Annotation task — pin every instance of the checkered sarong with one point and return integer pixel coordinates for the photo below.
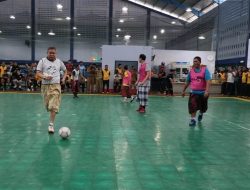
(142, 95)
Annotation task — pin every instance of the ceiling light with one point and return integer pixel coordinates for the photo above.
(154, 37)
(124, 10)
(67, 18)
(78, 34)
(201, 37)
(189, 10)
(28, 27)
(173, 22)
(150, 6)
(59, 7)
(39, 33)
(127, 37)
(121, 21)
(57, 19)
(193, 18)
(12, 17)
(51, 33)
(117, 35)
(0, 31)
(119, 30)
(74, 28)
(162, 31)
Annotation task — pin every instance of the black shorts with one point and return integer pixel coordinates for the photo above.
(197, 102)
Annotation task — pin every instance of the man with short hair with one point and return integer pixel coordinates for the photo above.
(143, 83)
(49, 69)
(105, 77)
(199, 80)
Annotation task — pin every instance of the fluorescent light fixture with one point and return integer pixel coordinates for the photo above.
(74, 28)
(78, 34)
(139, 2)
(189, 10)
(219, 1)
(117, 35)
(58, 19)
(201, 37)
(211, 7)
(59, 7)
(28, 27)
(39, 33)
(127, 37)
(67, 18)
(124, 10)
(173, 22)
(162, 31)
(154, 37)
(119, 30)
(193, 18)
(121, 21)
(12, 17)
(51, 33)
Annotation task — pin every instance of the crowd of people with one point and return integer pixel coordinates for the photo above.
(93, 79)
(162, 80)
(234, 81)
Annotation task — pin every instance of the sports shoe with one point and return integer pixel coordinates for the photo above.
(51, 128)
(142, 110)
(192, 123)
(132, 99)
(125, 99)
(139, 109)
(200, 117)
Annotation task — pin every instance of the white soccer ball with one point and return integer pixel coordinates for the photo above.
(64, 132)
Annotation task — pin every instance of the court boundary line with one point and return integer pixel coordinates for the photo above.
(179, 96)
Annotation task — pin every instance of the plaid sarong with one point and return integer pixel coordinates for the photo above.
(142, 95)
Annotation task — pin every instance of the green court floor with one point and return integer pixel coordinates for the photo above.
(114, 147)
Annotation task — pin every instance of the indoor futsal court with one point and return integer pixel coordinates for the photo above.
(124, 95)
(122, 149)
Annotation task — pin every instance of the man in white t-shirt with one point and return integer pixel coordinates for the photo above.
(49, 70)
(230, 81)
(76, 76)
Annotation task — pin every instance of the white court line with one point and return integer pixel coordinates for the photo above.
(237, 125)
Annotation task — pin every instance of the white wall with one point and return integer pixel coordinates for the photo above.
(123, 53)
(170, 56)
(14, 49)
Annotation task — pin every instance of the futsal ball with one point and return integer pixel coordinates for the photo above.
(64, 132)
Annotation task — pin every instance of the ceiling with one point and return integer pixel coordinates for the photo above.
(91, 18)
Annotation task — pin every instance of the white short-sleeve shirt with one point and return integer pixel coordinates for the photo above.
(77, 73)
(51, 68)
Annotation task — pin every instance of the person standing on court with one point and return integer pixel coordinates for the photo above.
(199, 80)
(143, 83)
(105, 79)
(75, 78)
(126, 82)
(49, 69)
